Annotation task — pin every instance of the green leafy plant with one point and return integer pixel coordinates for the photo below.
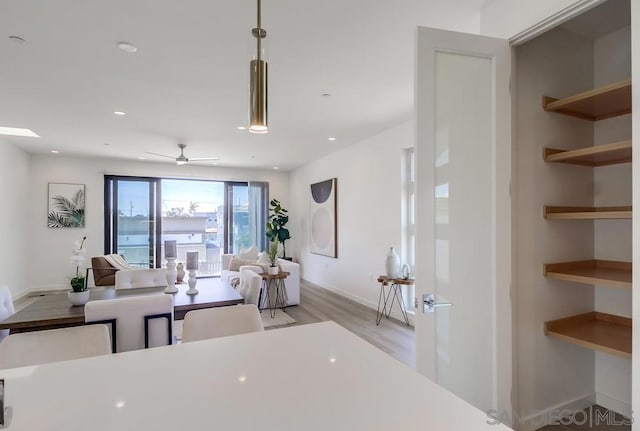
(272, 253)
(276, 225)
(69, 213)
(77, 258)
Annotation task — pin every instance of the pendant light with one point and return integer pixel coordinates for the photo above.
(258, 83)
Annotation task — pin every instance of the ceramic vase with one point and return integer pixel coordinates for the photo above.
(392, 264)
(181, 273)
(78, 298)
(273, 270)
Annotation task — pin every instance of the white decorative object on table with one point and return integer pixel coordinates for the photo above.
(392, 264)
(181, 273)
(78, 298)
(79, 293)
(171, 256)
(406, 271)
(192, 266)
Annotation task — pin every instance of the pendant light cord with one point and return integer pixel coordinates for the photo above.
(259, 35)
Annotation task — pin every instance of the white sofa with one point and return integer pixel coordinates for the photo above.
(292, 282)
(143, 277)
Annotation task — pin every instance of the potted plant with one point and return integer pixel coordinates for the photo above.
(272, 253)
(276, 225)
(79, 294)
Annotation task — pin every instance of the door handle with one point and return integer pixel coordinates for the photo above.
(429, 303)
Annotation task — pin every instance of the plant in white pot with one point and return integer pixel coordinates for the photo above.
(272, 253)
(79, 293)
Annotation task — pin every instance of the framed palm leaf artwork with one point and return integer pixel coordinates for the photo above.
(66, 205)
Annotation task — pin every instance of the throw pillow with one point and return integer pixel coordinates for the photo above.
(236, 263)
(263, 260)
(250, 254)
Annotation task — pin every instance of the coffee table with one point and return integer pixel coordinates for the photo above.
(55, 311)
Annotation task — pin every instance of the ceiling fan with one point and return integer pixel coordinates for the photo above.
(182, 159)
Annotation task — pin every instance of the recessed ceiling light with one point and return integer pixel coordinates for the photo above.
(119, 113)
(17, 131)
(332, 138)
(142, 158)
(106, 144)
(17, 39)
(276, 167)
(326, 94)
(55, 151)
(127, 47)
(241, 128)
(253, 157)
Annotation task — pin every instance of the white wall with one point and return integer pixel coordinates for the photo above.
(612, 61)
(463, 16)
(506, 18)
(51, 247)
(14, 213)
(369, 219)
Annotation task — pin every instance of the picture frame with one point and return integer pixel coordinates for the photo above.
(323, 218)
(66, 205)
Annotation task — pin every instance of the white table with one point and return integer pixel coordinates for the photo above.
(312, 377)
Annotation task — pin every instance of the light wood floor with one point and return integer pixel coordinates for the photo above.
(319, 305)
(594, 418)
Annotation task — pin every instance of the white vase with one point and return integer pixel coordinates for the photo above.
(273, 270)
(392, 264)
(181, 273)
(78, 298)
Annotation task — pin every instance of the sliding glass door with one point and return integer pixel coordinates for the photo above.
(131, 222)
(192, 214)
(210, 217)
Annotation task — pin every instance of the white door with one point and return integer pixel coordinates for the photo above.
(463, 211)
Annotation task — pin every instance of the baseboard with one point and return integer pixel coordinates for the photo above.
(396, 313)
(616, 405)
(548, 416)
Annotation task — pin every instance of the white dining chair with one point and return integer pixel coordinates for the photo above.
(221, 322)
(249, 286)
(136, 322)
(54, 345)
(6, 308)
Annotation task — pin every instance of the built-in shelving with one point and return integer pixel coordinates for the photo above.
(601, 272)
(596, 331)
(599, 155)
(586, 213)
(597, 104)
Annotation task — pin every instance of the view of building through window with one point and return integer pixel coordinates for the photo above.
(210, 217)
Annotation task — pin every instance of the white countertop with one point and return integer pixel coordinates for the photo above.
(311, 377)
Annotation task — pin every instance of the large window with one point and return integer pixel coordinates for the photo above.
(210, 217)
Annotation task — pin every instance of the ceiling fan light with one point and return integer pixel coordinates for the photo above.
(181, 162)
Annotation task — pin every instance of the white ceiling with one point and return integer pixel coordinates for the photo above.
(188, 82)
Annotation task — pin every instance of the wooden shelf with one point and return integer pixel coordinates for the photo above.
(596, 331)
(600, 155)
(586, 213)
(600, 272)
(597, 104)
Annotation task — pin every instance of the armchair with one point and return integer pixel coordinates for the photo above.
(103, 273)
(113, 270)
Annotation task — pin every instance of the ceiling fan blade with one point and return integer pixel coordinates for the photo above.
(161, 155)
(203, 159)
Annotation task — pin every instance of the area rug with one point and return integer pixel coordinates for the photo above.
(281, 319)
